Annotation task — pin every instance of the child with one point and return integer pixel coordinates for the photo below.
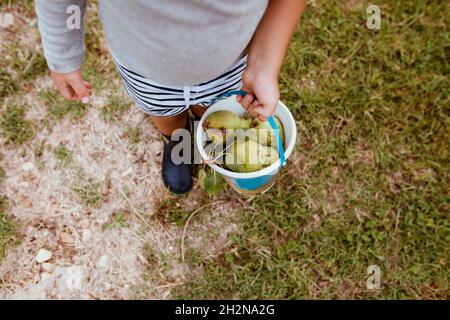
(176, 55)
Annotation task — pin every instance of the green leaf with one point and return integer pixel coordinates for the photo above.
(214, 183)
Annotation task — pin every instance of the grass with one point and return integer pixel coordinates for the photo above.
(371, 184)
(114, 109)
(62, 154)
(2, 175)
(89, 193)
(20, 67)
(8, 228)
(15, 128)
(132, 133)
(169, 212)
(58, 107)
(8, 85)
(116, 220)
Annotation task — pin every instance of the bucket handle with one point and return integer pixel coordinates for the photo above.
(271, 121)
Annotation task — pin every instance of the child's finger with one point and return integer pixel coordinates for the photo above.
(247, 100)
(78, 85)
(67, 92)
(263, 113)
(80, 89)
(252, 107)
(254, 104)
(260, 117)
(85, 100)
(88, 85)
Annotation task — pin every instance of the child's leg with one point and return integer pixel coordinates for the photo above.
(198, 110)
(166, 125)
(176, 176)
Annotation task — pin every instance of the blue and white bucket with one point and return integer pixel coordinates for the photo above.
(258, 181)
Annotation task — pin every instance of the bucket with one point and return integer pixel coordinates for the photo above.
(252, 182)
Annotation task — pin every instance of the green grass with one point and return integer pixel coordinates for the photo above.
(132, 133)
(8, 85)
(58, 107)
(114, 108)
(117, 220)
(168, 211)
(371, 184)
(62, 153)
(2, 175)
(89, 193)
(14, 127)
(19, 68)
(8, 228)
(21, 5)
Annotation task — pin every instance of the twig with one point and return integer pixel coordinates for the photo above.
(138, 236)
(169, 285)
(183, 235)
(135, 210)
(213, 160)
(6, 285)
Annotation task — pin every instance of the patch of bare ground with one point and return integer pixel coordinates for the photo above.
(88, 260)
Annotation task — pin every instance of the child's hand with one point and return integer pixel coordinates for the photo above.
(262, 94)
(72, 86)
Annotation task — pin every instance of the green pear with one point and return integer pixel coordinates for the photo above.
(250, 156)
(234, 159)
(222, 119)
(243, 157)
(246, 122)
(233, 166)
(215, 135)
(264, 132)
(269, 156)
(250, 152)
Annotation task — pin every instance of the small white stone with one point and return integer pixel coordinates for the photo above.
(28, 166)
(43, 255)
(86, 235)
(48, 267)
(6, 20)
(103, 261)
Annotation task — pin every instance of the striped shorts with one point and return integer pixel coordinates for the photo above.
(164, 101)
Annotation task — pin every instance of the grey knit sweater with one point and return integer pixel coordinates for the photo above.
(173, 42)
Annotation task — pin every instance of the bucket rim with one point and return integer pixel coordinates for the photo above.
(270, 170)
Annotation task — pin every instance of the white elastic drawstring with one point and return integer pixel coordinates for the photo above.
(187, 96)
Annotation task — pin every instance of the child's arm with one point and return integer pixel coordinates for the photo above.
(64, 45)
(265, 56)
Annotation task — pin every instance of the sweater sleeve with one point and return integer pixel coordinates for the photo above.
(62, 35)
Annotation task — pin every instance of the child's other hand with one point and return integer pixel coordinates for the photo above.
(72, 86)
(262, 94)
